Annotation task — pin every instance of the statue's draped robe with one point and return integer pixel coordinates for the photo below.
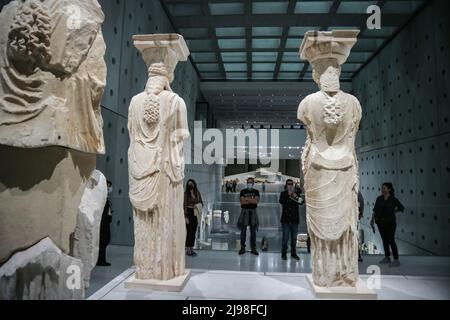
(156, 172)
(331, 188)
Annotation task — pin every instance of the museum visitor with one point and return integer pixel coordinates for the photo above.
(290, 199)
(249, 199)
(383, 215)
(193, 204)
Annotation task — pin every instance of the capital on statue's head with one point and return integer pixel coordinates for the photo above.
(335, 44)
(167, 49)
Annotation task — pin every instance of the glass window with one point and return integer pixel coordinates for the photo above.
(313, 6)
(355, 6)
(265, 43)
(297, 67)
(234, 56)
(267, 31)
(235, 66)
(231, 43)
(230, 32)
(264, 56)
(300, 31)
(263, 66)
(291, 57)
(271, 7)
(226, 8)
(293, 43)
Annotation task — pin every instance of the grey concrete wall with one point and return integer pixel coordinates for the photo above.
(127, 76)
(405, 130)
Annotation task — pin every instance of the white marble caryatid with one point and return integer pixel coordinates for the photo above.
(329, 161)
(52, 73)
(157, 123)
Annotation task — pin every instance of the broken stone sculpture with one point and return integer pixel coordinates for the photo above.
(87, 232)
(329, 161)
(52, 73)
(157, 123)
(41, 272)
(52, 77)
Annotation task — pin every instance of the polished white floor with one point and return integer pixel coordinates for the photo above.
(226, 275)
(237, 285)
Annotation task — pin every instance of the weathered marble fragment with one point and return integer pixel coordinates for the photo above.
(52, 74)
(87, 232)
(41, 272)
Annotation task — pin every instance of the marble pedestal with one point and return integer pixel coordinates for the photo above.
(360, 292)
(173, 285)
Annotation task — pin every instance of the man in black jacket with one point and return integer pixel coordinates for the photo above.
(290, 200)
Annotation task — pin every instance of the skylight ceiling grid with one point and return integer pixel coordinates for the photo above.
(260, 37)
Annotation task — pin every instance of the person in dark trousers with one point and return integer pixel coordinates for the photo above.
(308, 244)
(234, 185)
(383, 215)
(228, 186)
(105, 230)
(290, 200)
(192, 198)
(361, 213)
(249, 199)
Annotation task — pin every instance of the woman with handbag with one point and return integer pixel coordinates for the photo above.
(192, 211)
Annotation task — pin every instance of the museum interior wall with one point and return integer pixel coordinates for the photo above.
(405, 130)
(126, 77)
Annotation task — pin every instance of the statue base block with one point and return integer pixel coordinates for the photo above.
(360, 292)
(173, 285)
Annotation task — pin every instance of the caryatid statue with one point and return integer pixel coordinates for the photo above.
(329, 160)
(157, 123)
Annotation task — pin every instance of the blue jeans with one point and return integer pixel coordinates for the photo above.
(289, 232)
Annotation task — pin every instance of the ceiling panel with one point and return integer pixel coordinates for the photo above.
(313, 6)
(270, 7)
(258, 41)
(264, 56)
(226, 8)
(265, 43)
(230, 32)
